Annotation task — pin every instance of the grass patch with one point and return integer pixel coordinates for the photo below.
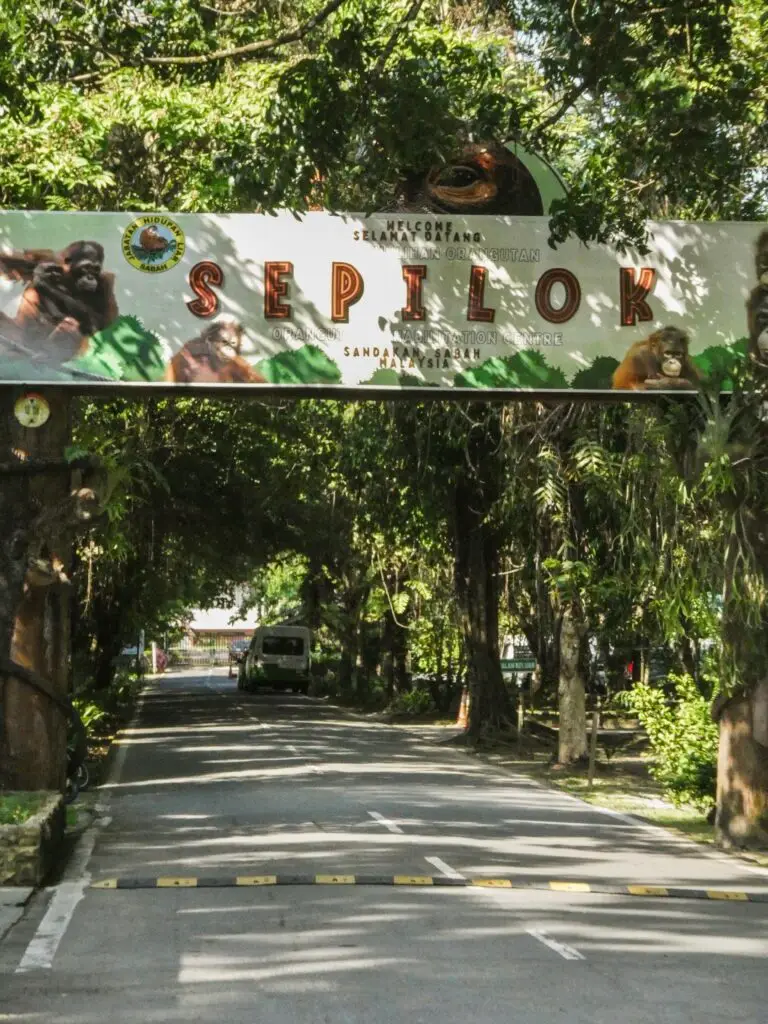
(635, 792)
(16, 808)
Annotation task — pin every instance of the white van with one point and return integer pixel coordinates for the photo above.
(279, 658)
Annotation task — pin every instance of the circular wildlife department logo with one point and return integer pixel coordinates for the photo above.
(153, 244)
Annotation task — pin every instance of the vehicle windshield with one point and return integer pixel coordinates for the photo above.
(283, 645)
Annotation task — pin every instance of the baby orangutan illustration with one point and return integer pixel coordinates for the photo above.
(213, 357)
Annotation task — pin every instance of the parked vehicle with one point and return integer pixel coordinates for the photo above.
(131, 658)
(278, 657)
(238, 650)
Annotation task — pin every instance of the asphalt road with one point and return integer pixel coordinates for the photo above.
(216, 784)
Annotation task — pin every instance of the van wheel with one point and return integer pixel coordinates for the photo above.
(304, 689)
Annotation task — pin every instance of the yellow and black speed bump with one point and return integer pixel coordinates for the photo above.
(422, 881)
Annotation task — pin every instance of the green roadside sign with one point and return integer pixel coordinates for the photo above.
(518, 664)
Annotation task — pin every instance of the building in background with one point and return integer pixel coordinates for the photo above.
(210, 634)
(215, 628)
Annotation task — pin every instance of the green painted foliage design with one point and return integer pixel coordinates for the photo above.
(125, 350)
(598, 376)
(306, 365)
(718, 363)
(384, 378)
(522, 370)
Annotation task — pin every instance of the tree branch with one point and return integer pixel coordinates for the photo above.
(410, 15)
(568, 100)
(241, 13)
(261, 46)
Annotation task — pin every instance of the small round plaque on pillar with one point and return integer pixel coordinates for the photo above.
(32, 411)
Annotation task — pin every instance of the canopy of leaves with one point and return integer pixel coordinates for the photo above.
(229, 105)
(186, 105)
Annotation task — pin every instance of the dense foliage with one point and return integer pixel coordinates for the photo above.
(411, 536)
(683, 738)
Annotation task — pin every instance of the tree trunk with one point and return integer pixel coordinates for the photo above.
(388, 658)
(34, 602)
(400, 660)
(572, 736)
(742, 770)
(18, 704)
(686, 655)
(104, 666)
(109, 635)
(542, 635)
(477, 587)
(353, 602)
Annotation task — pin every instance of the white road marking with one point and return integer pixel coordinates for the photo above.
(116, 771)
(67, 894)
(567, 824)
(239, 707)
(443, 868)
(385, 822)
(41, 950)
(657, 830)
(501, 898)
(565, 951)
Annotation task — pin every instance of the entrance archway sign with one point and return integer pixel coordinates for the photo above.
(370, 305)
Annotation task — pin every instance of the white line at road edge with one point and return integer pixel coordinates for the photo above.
(41, 950)
(656, 830)
(443, 868)
(565, 951)
(67, 894)
(660, 833)
(385, 822)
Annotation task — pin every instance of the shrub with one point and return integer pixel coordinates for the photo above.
(414, 702)
(104, 710)
(16, 808)
(683, 738)
(90, 714)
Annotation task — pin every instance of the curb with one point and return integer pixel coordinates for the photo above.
(424, 881)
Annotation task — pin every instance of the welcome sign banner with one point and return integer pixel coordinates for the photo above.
(386, 302)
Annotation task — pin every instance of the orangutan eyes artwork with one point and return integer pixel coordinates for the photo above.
(483, 178)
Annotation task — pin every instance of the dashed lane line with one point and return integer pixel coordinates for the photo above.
(566, 952)
(495, 890)
(443, 868)
(390, 825)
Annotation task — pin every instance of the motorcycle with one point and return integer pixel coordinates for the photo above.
(77, 751)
